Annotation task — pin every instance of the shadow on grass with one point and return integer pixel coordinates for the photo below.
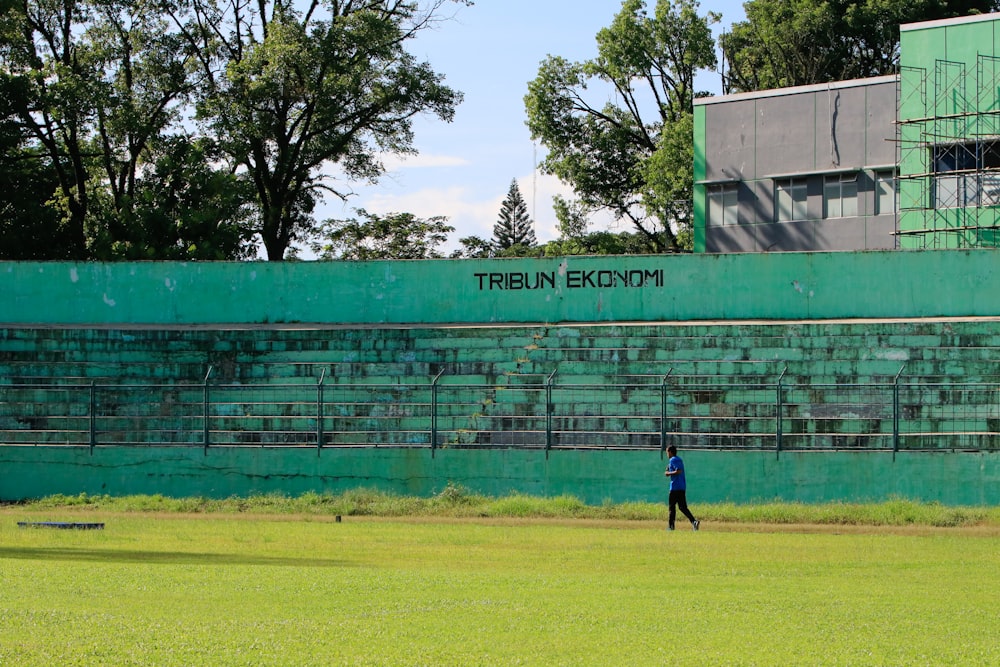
(163, 557)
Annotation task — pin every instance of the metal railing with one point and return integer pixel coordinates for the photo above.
(527, 411)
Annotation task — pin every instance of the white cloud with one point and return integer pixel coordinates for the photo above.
(394, 161)
(468, 214)
(471, 212)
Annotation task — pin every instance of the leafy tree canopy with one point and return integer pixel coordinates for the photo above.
(296, 88)
(473, 247)
(371, 236)
(146, 124)
(598, 243)
(631, 156)
(798, 42)
(99, 88)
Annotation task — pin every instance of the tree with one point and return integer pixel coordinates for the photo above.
(514, 226)
(188, 210)
(598, 243)
(29, 229)
(574, 239)
(372, 236)
(103, 87)
(473, 247)
(799, 42)
(294, 89)
(110, 88)
(634, 157)
(571, 218)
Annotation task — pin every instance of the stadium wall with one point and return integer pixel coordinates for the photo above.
(639, 288)
(593, 476)
(727, 290)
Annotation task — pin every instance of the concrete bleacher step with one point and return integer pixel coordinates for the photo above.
(494, 378)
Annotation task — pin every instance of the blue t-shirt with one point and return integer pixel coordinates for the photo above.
(677, 482)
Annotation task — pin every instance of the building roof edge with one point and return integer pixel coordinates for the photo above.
(795, 90)
(941, 23)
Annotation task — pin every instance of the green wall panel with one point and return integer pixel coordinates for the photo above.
(647, 288)
(922, 48)
(700, 171)
(965, 42)
(700, 166)
(592, 476)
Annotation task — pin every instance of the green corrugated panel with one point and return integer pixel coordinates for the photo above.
(700, 168)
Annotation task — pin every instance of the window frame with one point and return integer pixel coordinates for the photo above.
(723, 197)
(840, 196)
(789, 188)
(961, 173)
(880, 178)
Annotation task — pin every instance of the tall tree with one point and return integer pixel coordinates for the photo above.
(41, 53)
(105, 84)
(632, 156)
(514, 225)
(294, 89)
(372, 236)
(799, 42)
(29, 228)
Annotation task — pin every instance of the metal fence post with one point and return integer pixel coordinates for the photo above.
(93, 417)
(778, 410)
(206, 411)
(895, 412)
(434, 411)
(663, 412)
(319, 412)
(548, 412)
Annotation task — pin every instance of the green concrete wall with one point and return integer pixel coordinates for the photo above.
(217, 298)
(592, 476)
(652, 288)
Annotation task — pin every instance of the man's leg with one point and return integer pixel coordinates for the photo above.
(673, 510)
(682, 503)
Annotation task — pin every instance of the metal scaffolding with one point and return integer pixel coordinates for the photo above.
(948, 152)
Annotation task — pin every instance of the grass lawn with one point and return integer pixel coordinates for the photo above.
(181, 589)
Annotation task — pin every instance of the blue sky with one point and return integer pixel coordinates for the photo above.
(490, 51)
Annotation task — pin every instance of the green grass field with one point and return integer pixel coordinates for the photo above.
(219, 588)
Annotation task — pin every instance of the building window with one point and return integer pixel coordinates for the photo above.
(840, 196)
(990, 189)
(955, 181)
(966, 174)
(723, 205)
(885, 193)
(791, 196)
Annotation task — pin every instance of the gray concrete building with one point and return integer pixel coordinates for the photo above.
(797, 169)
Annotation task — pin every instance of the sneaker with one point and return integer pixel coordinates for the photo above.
(695, 524)
(670, 527)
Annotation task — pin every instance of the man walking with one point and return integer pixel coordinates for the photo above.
(678, 489)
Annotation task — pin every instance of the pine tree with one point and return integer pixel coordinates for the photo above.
(513, 227)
